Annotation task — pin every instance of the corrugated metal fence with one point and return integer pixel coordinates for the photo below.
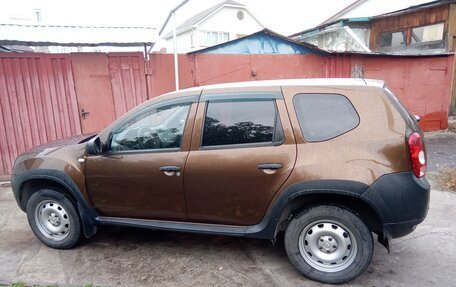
(37, 101)
(42, 96)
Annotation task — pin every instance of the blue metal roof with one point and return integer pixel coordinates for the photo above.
(262, 42)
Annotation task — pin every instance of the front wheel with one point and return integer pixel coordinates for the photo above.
(54, 219)
(329, 244)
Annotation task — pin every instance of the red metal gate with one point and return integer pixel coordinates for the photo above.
(422, 84)
(37, 103)
(44, 97)
(94, 91)
(128, 80)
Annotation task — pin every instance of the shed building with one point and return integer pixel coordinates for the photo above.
(263, 42)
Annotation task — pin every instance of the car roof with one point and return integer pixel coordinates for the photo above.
(292, 82)
(313, 82)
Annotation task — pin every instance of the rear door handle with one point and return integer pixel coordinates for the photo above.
(273, 166)
(170, 170)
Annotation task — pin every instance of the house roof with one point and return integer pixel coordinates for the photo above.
(341, 12)
(341, 22)
(59, 35)
(356, 3)
(264, 32)
(203, 15)
(415, 8)
(400, 54)
(14, 48)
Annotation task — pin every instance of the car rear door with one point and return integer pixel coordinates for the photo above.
(242, 152)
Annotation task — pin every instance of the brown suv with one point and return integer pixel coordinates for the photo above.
(327, 161)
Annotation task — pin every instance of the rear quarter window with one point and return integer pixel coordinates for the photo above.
(324, 116)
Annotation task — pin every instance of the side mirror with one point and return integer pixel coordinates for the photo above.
(417, 118)
(94, 146)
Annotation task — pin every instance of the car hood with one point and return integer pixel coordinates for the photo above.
(54, 145)
(60, 154)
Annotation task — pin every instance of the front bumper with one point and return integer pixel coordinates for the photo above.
(402, 201)
(15, 185)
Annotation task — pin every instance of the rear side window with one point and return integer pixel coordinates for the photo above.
(324, 116)
(240, 122)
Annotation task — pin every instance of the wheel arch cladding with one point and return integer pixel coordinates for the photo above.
(343, 193)
(26, 183)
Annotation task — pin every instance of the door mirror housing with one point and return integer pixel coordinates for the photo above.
(94, 146)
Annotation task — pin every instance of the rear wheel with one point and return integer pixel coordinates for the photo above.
(54, 219)
(329, 244)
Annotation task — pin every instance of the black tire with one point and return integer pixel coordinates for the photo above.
(317, 223)
(65, 219)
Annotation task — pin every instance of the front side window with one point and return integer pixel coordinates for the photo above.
(392, 39)
(324, 116)
(157, 128)
(240, 122)
(427, 33)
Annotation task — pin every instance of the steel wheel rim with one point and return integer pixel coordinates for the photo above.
(52, 220)
(327, 245)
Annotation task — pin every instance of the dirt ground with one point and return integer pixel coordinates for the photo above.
(441, 150)
(135, 257)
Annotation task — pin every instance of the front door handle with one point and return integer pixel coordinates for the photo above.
(270, 166)
(170, 170)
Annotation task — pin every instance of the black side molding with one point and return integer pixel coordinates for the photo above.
(179, 226)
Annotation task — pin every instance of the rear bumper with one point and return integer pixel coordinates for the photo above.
(401, 200)
(396, 230)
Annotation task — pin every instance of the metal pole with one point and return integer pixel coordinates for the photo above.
(176, 64)
(146, 70)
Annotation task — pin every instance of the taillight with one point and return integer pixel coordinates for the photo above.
(417, 155)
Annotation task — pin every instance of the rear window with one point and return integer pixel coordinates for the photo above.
(324, 116)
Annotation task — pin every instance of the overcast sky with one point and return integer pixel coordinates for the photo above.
(283, 16)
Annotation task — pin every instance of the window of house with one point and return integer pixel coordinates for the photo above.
(324, 116)
(211, 38)
(157, 128)
(241, 122)
(392, 39)
(427, 33)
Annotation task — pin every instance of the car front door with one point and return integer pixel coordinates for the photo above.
(243, 150)
(139, 176)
